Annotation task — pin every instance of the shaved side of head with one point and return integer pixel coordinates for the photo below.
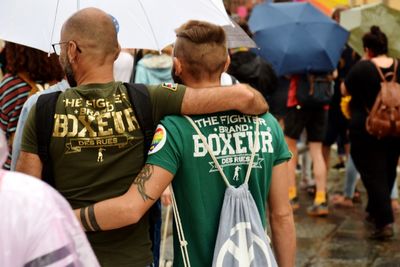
(202, 48)
(93, 28)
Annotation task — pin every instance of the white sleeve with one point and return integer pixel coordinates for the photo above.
(59, 239)
(39, 227)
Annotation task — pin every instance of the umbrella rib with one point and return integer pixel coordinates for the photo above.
(322, 46)
(54, 25)
(285, 54)
(151, 27)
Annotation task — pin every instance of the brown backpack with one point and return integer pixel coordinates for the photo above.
(384, 118)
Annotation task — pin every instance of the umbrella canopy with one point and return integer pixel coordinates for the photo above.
(237, 37)
(359, 21)
(142, 23)
(297, 37)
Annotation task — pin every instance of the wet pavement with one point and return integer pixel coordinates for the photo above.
(338, 240)
(341, 238)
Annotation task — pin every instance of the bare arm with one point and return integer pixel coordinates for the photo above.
(239, 97)
(129, 208)
(343, 89)
(166, 197)
(281, 217)
(30, 164)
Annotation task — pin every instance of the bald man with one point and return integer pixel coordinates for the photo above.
(95, 120)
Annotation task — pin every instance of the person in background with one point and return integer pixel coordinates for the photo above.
(2, 59)
(375, 159)
(154, 68)
(313, 120)
(28, 71)
(249, 68)
(337, 127)
(123, 66)
(16, 147)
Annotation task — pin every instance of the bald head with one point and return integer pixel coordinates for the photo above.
(94, 29)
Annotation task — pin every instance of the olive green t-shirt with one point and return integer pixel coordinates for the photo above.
(198, 186)
(97, 150)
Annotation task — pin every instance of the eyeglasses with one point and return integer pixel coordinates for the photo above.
(57, 47)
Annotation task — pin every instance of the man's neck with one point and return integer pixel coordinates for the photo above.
(202, 84)
(102, 74)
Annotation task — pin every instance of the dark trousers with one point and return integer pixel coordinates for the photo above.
(155, 231)
(376, 160)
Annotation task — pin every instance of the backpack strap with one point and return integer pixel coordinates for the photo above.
(140, 99)
(256, 144)
(179, 229)
(396, 64)
(394, 73)
(45, 110)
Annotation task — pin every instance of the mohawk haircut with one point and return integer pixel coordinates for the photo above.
(202, 48)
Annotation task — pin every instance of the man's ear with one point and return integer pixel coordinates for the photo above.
(72, 51)
(118, 52)
(177, 66)
(227, 63)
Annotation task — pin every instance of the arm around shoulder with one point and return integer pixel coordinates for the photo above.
(239, 97)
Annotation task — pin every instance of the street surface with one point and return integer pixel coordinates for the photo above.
(338, 240)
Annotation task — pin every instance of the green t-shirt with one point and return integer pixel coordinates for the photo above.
(198, 186)
(97, 151)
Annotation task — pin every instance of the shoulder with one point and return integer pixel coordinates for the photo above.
(23, 185)
(270, 120)
(268, 116)
(364, 65)
(174, 122)
(178, 126)
(12, 82)
(8, 78)
(164, 86)
(165, 90)
(360, 71)
(34, 195)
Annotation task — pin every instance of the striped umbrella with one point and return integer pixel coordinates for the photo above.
(326, 6)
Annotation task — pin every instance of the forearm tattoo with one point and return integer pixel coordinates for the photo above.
(141, 180)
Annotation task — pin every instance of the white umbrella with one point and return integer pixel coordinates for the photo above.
(142, 23)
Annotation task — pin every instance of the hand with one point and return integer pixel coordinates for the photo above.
(254, 103)
(166, 198)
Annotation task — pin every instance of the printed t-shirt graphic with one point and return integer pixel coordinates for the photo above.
(97, 151)
(198, 187)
